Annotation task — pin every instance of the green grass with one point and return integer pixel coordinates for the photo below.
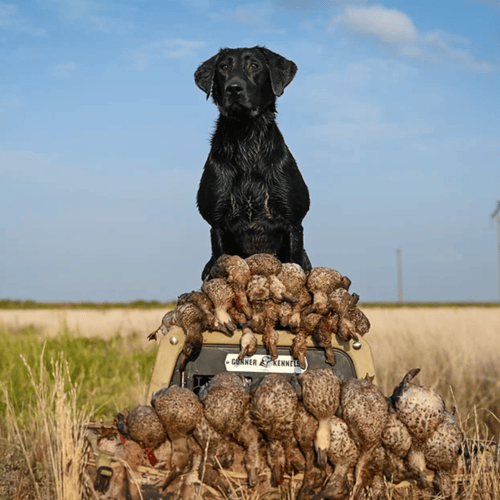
(112, 374)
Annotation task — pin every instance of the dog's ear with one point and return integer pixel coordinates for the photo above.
(281, 70)
(204, 75)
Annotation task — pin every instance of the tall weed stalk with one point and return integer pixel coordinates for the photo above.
(50, 432)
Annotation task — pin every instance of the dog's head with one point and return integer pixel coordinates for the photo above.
(245, 82)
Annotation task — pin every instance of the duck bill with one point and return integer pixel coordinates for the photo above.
(277, 475)
(322, 457)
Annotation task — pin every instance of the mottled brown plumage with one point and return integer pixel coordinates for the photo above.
(278, 292)
(396, 440)
(298, 349)
(321, 282)
(179, 410)
(323, 334)
(305, 427)
(273, 407)
(227, 410)
(202, 300)
(441, 453)
(143, 426)
(264, 320)
(352, 321)
(365, 411)
(321, 396)
(264, 264)
(258, 289)
(236, 271)
(248, 343)
(293, 278)
(306, 325)
(421, 409)
(192, 320)
(222, 296)
(343, 454)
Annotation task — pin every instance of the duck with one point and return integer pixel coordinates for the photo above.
(396, 441)
(305, 427)
(202, 300)
(237, 316)
(360, 320)
(222, 296)
(293, 278)
(236, 271)
(365, 410)
(261, 288)
(248, 343)
(264, 320)
(307, 323)
(264, 264)
(179, 411)
(273, 407)
(422, 410)
(217, 451)
(258, 289)
(278, 291)
(343, 454)
(442, 453)
(298, 349)
(291, 317)
(143, 426)
(192, 320)
(323, 333)
(352, 321)
(227, 409)
(320, 389)
(321, 282)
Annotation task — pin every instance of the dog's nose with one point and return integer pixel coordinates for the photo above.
(234, 88)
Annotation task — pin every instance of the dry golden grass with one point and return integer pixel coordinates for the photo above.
(456, 349)
(104, 323)
(50, 434)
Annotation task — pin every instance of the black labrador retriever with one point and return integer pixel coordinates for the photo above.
(251, 191)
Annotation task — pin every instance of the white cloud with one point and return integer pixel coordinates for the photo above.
(64, 69)
(172, 48)
(11, 19)
(388, 25)
(395, 31)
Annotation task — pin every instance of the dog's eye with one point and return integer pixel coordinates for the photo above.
(223, 67)
(254, 66)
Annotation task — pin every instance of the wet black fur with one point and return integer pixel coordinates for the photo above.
(251, 191)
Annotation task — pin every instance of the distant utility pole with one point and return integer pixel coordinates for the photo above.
(400, 275)
(496, 214)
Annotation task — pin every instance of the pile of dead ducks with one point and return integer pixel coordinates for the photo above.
(345, 437)
(259, 295)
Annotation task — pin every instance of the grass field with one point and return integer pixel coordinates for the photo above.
(97, 362)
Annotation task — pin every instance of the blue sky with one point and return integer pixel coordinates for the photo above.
(393, 118)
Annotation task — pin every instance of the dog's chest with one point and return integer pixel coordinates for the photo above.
(250, 199)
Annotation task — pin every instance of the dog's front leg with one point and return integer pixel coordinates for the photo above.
(217, 250)
(297, 251)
